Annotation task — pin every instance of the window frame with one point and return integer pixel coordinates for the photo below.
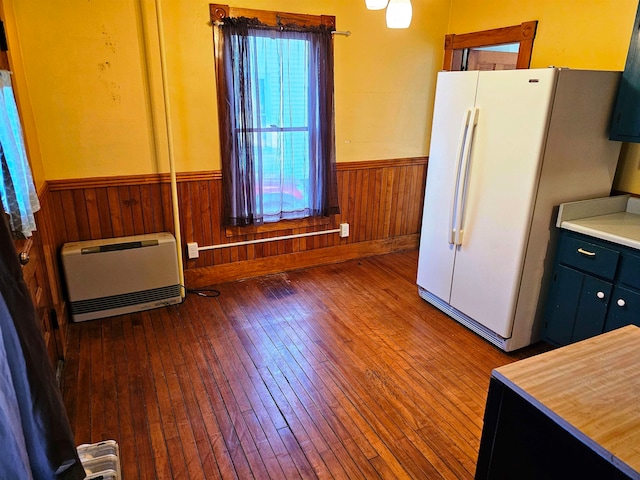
(272, 18)
(524, 34)
(218, 12)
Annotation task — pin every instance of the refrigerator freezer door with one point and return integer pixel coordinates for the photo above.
(455, 95)
(514, 109)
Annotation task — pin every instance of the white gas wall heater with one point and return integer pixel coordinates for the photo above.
(120, 275)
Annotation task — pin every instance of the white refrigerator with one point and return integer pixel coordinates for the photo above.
(507, 147)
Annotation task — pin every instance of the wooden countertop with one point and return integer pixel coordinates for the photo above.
(590, 388)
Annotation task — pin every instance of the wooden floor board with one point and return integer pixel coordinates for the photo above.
(151, 458)
(219, 463)
(196, 402)
(98, 371)
(339, 371)
(122, 399)
(228, 446)
(69, 382)
(179, 389)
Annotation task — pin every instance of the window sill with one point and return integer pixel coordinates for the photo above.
(281, 225)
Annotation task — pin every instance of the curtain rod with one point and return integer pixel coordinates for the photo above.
(346, 33)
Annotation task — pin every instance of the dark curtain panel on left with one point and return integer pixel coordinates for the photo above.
(34, 429)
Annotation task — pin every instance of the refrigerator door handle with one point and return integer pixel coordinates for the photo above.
(456, 183)
(461, 198)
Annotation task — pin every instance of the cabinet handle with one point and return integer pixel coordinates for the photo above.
(586, 252)
(600, 295)
(621, 302)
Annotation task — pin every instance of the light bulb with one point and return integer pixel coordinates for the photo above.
(399, 14)
(376, 4)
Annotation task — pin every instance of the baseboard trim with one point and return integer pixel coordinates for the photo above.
(228, 272)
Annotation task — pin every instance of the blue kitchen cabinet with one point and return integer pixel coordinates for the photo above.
(624, 309)
(625, 121)
(574, 309)
(595, 287)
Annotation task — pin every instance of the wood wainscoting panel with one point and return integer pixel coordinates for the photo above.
(201, 277)
(380, 200)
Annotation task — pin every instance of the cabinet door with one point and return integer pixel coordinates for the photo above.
(624, 309)
(576, 306)
(592, 308)
(625, 121)
(562, 305)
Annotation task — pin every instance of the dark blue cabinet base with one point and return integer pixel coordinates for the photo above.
(595, 287)
(520, 441)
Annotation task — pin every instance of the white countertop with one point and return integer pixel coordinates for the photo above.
(615, 219)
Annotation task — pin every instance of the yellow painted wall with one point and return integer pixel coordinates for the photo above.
(82, 62)
(584, 34)
(89, 83)
(92, 70)
(23, 99)
(581, 34)
(628, 173)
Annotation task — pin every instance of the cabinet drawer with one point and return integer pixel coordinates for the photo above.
(588, 257)
(630, 271)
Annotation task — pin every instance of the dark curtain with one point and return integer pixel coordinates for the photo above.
(242, 165)
(34, 430)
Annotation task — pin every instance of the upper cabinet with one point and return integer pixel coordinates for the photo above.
(625, 122)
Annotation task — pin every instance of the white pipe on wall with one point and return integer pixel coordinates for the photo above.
(269, 239)
(172, 166)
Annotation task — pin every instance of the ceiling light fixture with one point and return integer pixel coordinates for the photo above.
(399, 13)
(376, 4)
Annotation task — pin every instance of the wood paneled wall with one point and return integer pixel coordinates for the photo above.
(34, 275)
(381, 201)
(40, 274)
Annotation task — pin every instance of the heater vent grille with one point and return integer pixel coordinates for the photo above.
(162, 296)
(115, 276)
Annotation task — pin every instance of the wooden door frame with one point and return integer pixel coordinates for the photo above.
(524, 34)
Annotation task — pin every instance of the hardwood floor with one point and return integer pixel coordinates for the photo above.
(340, 371)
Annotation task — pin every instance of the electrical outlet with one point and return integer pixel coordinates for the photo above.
(192, 250)
(344, 230)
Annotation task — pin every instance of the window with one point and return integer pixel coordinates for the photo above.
(19, 197)
(506, 48)
(275, 97)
